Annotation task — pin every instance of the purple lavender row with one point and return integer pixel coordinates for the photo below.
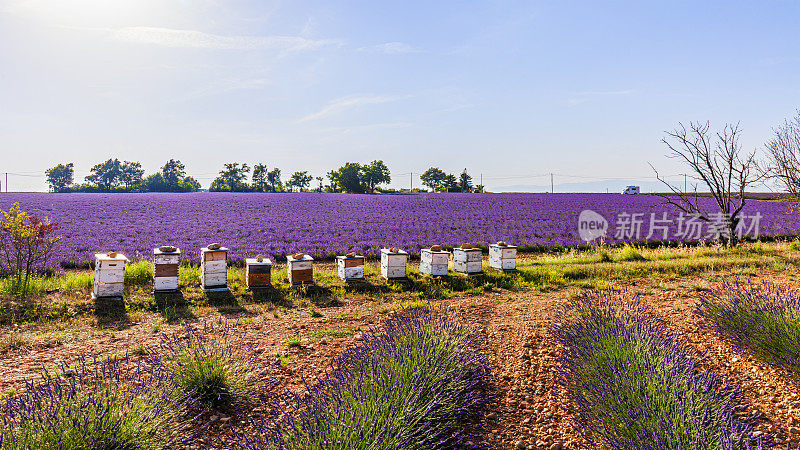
(761, 318)
(630, 384)
(418, 382)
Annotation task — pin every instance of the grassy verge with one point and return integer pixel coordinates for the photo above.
(418, 382)
(630, 385)
(591, 269)
(761, 318)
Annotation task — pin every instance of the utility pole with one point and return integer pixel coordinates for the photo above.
(481, 183)
(552, 186)
(6, 182)
(412, 182)
(684, 182)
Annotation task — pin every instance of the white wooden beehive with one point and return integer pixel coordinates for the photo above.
(467, 260)
(393, 264)
(258, 273)
(214, 269)
(165, 273)
(109, 275)
(503, 257)
(300, 271)
(433, 262)
(350, 267)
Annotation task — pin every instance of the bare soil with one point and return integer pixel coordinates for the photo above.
(524, 412)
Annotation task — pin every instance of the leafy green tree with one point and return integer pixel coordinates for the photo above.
(105, 175)
(433, 178)
(274, 179)
(333, 177)
(465, 182)
(130, 173)
(301, 180)
(155, 183)
(450, 183)
(60, 177)
(260, 177)
(231, 178)
(348, 178)
(373, 174)
(173, 172)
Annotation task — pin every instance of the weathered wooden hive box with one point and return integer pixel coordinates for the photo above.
(300, 270)
(258, 272)
(109, 275)
(393, 264)
(434, 262)
(350, 267)
(503, 257)
(165, 276)
(467, 260)
(214, 269)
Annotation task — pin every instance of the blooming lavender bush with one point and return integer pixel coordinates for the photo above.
(630, 384)
(416, 383)
(116, 404)
(760, 317)
(208, 365)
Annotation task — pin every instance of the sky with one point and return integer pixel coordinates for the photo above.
(510, 90)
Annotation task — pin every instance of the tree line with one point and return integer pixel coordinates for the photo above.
(114, 175)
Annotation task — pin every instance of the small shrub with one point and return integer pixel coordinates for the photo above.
(630, 253)
(112, 405)
(603, 256)
(314, 312)
(26, 243)
(329, 332)
(795, 245)
(206, 364)
(294, 341)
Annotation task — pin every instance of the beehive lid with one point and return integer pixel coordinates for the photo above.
(350, 257)
(256, 262)
(221, 249)
(304, 258)
(427, 250)
(159, 252)
(390, 252)
(503, 246)
(105, 257)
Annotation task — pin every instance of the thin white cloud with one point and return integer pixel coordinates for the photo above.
(391, 48)
(345, 103)
(169, 37)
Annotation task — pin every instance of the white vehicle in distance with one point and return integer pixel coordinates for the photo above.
(631, 190)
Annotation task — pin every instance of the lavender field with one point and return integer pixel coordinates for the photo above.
(327, 224)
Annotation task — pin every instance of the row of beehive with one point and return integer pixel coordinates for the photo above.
(110, 267)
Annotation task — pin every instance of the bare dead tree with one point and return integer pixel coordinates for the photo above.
(717, 161)
(784, 155)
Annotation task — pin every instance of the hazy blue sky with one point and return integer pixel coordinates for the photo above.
(509, 89)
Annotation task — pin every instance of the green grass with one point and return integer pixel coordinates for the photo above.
(630, 253)
(293, 341)
(330, 333)
(78, 281)
(139, 273)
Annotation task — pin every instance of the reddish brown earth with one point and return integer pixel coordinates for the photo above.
(524, 412)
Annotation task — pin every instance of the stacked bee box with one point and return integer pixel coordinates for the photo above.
(259, 270)
(503, 256)
(434, 261)
(109, 275)
(351, 267)
(214, 268)
(165, 276)
(393, 263)
(467, 259)
(300, 269)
